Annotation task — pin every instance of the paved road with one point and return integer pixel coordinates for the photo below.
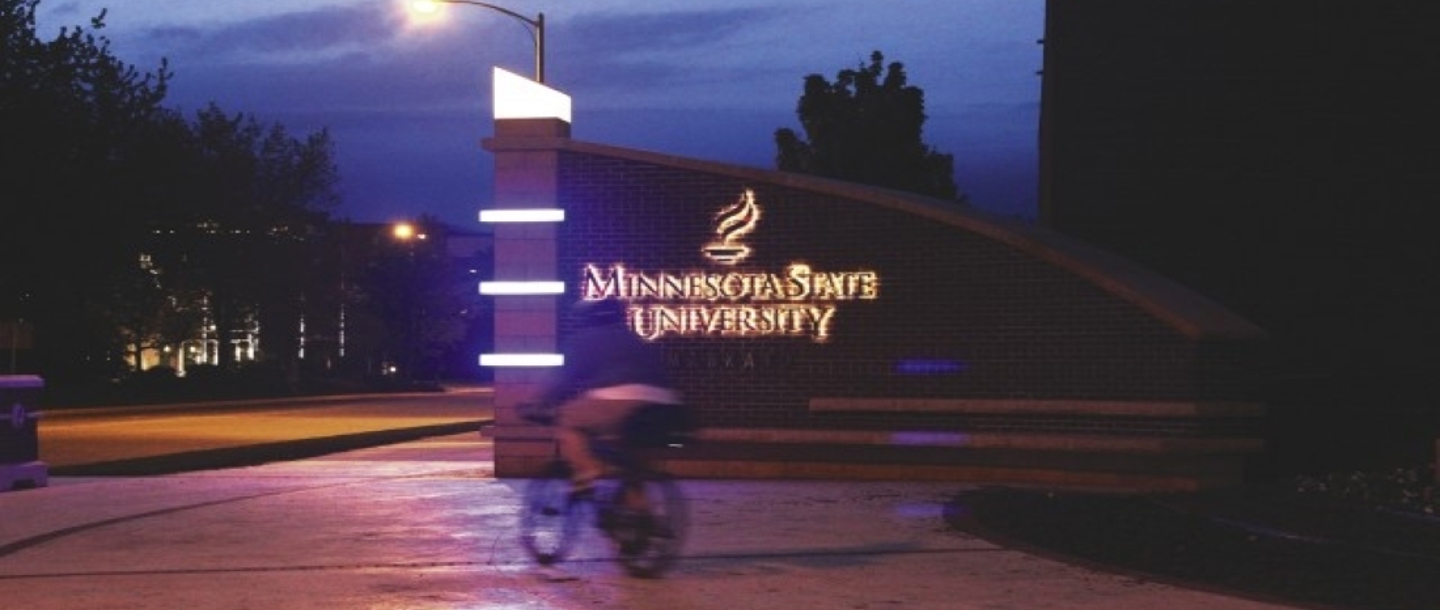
(426, 525)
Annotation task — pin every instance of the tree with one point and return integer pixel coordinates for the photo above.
(146, 314)
(251, 239)
(72, 116)
(160, 220)
(865, 128)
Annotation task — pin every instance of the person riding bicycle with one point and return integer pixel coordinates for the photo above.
(609, 372)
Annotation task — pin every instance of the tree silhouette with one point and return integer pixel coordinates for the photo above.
(866, 127)
(418, 300)
(73, 120)
(122, 217)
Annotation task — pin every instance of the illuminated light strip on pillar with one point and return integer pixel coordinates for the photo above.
(523, 215)
(521, 288)
(522, 360)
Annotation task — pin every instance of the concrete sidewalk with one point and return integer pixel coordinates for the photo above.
(426, 525)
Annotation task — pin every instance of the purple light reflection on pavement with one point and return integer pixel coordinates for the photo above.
(930, 438)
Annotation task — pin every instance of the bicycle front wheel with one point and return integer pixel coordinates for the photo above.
(550, 521)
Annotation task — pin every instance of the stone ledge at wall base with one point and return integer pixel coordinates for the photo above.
(1062, 469)
(20, 464)
(1066, 461)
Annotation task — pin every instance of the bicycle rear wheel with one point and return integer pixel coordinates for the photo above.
(551, 521)
(649, 543)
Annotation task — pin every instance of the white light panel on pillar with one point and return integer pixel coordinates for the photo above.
(521, 288)
(517, 97)
(522, 215)
(532, 360)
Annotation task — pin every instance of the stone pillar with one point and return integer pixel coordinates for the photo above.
(527, 156)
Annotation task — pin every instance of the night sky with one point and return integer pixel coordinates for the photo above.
(407, 102)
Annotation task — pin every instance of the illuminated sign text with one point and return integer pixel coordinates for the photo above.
(798, 301)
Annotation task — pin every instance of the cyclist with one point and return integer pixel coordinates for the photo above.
(609, 372)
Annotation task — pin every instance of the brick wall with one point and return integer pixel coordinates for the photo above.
(990, 352)
(958, 314)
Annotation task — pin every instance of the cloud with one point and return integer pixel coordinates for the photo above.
(659, 35)
(299, 36)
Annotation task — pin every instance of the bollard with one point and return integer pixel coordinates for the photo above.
(20, 464)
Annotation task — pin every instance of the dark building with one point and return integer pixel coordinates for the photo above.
(1278, 156)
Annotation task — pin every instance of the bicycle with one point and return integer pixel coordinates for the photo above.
(639, 508)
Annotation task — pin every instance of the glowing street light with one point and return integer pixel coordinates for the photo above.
(536, 26)
(404, 231)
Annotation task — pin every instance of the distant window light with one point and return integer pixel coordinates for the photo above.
(522, 360)
(509, 288)
(523, 215)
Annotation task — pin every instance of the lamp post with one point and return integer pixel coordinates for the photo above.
(536, 26)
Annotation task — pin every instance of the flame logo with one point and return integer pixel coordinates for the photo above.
(733, 223)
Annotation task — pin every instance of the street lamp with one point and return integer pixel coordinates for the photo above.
(404, 231)
(536, 26)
